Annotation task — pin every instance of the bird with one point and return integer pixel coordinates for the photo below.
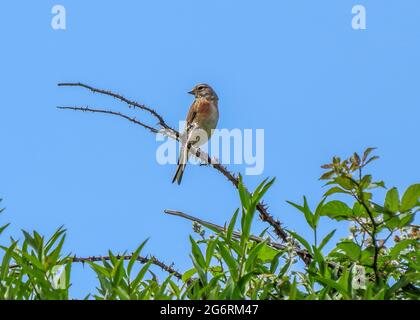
(201, 120)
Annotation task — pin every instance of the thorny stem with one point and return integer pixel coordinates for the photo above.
(172, 133)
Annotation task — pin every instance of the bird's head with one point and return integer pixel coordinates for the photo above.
(203, 90)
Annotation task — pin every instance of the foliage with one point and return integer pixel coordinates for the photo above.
(378, 260)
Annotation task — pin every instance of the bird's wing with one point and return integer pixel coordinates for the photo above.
(192, 113)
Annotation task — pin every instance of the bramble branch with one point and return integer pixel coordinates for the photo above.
(143, 260)
(172, 133)
(119, 114)
(303, 254)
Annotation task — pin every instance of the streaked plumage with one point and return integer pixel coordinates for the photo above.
(201, 120)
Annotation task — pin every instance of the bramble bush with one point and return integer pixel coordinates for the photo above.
(378, 260)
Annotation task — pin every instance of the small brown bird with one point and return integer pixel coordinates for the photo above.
(201, 121)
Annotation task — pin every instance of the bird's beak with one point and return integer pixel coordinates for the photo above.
(192, 92)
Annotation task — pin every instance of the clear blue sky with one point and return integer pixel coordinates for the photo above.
(294, 68)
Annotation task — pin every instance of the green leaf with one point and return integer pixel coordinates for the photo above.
(327, 175)
(118, 272)
(261, 190)
(365, 182)
(367, 255)
(285, 268)
(175, 289)
(135, 256)
(198, 255)
(344, 182)
(410, 198)
(141, 274)
(335, 285)
(243, 193)
(188, 274)
(405, 219)
(267, 253)
(377, 184)
(54, 238)
(402, 282)
(392, 200)
(275, 261)
(293, 290)
(99, 269)
(4, 271)
(371, 159)
(252, 256)
(53, 257)
(326, 239)
(351, 249)
(3, 228)
(305, 210)
(31, 241)
(232, 226)
(359, 210)
(400, 246)
(318, 212)
(337, 210)
(243, 281)
(319, 258)
(366, 153)
(334, 190)
(229, 260)
(301, 240)
(211, 244)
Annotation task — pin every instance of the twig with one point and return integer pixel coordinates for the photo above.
(302, 253)
(121, 98)
(119, 114)
(359, 198)
(172, 133)
(141, 259)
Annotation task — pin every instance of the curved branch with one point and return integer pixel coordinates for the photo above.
(306, 257)
(131, 103)
(172, 133)
(119, 114)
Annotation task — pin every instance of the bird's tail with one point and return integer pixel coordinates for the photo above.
(182, 162)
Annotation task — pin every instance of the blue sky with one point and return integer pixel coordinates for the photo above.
(293, 68)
